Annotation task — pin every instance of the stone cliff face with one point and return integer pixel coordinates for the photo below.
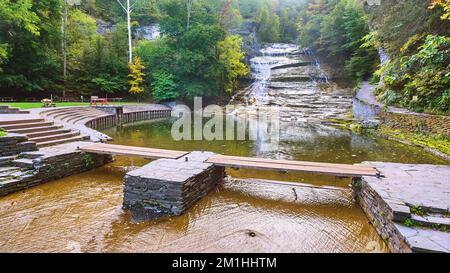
(251, 46)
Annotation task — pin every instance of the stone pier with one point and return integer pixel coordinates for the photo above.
(168, 187)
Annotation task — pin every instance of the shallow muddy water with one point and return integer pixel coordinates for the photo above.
(83, 213)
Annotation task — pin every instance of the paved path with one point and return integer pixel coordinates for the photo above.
(146, 107)
(427, 186)
(365, 94)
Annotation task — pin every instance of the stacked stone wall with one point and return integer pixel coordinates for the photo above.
(171, 186)
(411, 122)
(13, 144)
(40, 170)
(381, 216)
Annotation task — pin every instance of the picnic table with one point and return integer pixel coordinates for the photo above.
(95, 100)
(48, 103)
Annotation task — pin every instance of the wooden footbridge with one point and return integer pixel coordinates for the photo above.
(340, 170)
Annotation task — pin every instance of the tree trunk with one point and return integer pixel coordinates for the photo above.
(188, 13)
(130, 49)
(64, 48)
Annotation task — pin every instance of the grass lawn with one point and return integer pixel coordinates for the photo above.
(31, 105)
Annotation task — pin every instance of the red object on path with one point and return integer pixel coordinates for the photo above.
(95, 100)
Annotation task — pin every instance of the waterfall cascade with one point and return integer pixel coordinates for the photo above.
(292, 78)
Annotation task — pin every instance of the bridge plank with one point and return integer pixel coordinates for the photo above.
(148, 153)
(273, 165)
(295, 163)
(138, 149)
(340, 170)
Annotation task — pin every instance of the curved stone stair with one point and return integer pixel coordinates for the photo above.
(73, 114)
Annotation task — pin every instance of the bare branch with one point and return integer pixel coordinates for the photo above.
(123, 7)
(132, 5)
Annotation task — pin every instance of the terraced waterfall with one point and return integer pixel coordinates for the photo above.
(292, 79)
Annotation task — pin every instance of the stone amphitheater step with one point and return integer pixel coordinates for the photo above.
(65, 112)
(70, 116)
(74, 118)
(62, 141)
(54, 137)
(11, 122)
(62, 110)
(47, 133)
(87, 117)
(36, 129)
(26, 125)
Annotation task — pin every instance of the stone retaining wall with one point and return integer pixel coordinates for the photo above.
(145, 115)
(365, 111)
(103, 122)
(381, 216)
(13, 144)
(51, 166)
(169, 187)
(414, 122)
(109, 121)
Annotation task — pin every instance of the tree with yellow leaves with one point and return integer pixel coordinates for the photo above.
(136, 76)
(231, 56)
(445, 4)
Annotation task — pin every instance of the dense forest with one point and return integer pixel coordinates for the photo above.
(81, 47)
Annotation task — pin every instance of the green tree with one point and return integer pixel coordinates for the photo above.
(336, 29)
(30, 42)
(80, 35)
(269, 26)
(163, 86)
(19, 16)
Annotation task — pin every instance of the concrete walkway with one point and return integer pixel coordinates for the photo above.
(366, 94)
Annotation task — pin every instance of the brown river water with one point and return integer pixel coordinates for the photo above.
(83, 213)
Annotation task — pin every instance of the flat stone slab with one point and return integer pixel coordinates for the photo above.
(178, 170)
(404, 186)
(58, 149)
(19, 117)
(425, 240)
(427, 186)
